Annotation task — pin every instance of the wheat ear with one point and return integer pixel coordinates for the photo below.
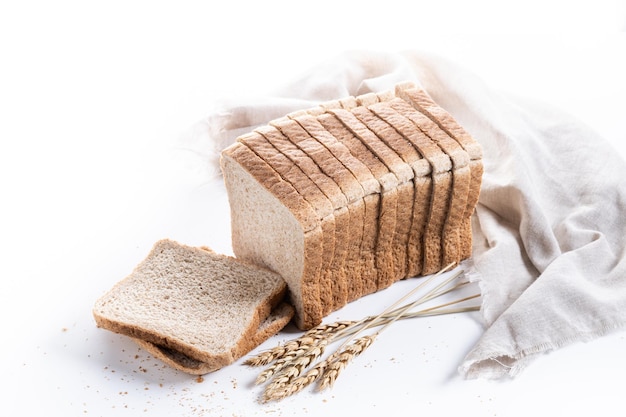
(347, 354)
(318, 333)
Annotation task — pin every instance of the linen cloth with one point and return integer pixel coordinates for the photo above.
(549, 245)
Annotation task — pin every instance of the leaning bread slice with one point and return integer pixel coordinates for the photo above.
(293, 174)
(335, 170)
(370, 185)
(441, 182)
(380, 208)
(460, 178)
(338, 201)
(186, 299)
(415, 200)
(276, 321)
(421, 101)
(273, 226)
(403, 174)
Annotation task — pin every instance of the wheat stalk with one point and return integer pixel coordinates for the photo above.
(293, 366)
(348, 353)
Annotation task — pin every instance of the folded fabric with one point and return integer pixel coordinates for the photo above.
(548, 232)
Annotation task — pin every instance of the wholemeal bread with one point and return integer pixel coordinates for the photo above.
(293, 174)
(420, 99)
(275, 322)
(441, 182)
(400, 183)
(273, 226)
(332, 268)
(451, 245)
(202, 305)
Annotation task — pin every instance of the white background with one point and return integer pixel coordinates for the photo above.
(94, 98)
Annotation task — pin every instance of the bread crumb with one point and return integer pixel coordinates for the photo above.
(200, 379)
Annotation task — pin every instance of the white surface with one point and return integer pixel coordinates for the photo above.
(93, 99)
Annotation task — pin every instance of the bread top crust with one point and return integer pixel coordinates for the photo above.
(269, 179)
(308, 165)
(325, 160)
(289, 171)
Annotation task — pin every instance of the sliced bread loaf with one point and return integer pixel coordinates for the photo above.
(397, 182)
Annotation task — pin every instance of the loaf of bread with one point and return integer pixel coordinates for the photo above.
(195, 309)
(346, 198)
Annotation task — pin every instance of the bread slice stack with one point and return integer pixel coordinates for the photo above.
(194, 309)
(344, 199)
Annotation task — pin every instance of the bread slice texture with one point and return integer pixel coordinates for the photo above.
(422, 102)
(204, 305)
(336, 171)
(341, 213)
(273, 324)
(293, 174)
(284, 236)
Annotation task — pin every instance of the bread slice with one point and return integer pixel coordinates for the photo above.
(335, 170)
(380, 208)
(441, 183)
(405, 191)
(406, 237)
(460, 178)
(370, 184)
(276, 321)
(207, 306)
(284, 236)
(293, 174)
(403, 174)
(341, 213)
(421, 101)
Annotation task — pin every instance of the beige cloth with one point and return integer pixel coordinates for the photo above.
(548, 229)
